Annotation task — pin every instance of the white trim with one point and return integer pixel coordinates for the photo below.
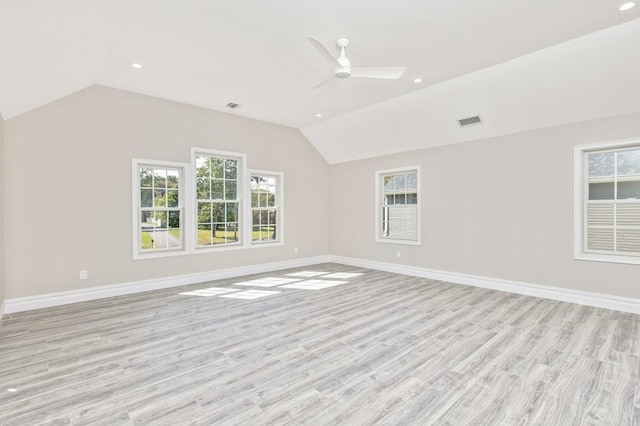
(599, 300)
(579, 197)
(228, 154)
(598, 146)
(220, 247)
(241, 179)
(55, 299)
(266, 244)
(610, 258)
(378, 189)
(578, 202)
(135, 208)
(279, 205)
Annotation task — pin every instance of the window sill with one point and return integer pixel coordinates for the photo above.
(266, 244)
(403, 242)
(593, 257)
(213, 249)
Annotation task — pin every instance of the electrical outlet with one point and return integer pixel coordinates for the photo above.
(295, 250)
(84, 274)
(398, 254)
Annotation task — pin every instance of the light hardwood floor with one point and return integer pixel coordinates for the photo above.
(380, 348)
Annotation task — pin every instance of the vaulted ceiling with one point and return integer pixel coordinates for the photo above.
(519, 64)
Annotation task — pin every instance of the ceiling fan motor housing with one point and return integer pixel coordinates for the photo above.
(342, 72)
(345, 71)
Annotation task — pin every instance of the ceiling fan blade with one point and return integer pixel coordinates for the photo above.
(390, 73)
(326, 53)
(323, 82)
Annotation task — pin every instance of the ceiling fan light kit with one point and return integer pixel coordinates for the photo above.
(343, 67)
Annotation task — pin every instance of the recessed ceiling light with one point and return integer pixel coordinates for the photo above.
(12, 390)
(626, 6)
(136, 66)
(318, 115)
(417, 80)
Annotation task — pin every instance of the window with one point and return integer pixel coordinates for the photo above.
(397, 206)
(608, 202)
(215, 216)
(218, 188)
(158, 208)
(266, 213)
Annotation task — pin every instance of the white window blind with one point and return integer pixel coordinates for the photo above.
(611, 194)
(397, 197)
(401, 222)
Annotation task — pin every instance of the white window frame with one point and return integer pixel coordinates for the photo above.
(185, 227)
(245, 226)
(378, 206)
(580, 196)
(279, 209)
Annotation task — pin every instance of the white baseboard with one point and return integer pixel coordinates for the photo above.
(55, 299)
(599, 300)
(623, 304)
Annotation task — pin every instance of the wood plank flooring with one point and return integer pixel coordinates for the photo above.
(375, 348)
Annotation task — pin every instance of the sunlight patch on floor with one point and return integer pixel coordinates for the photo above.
(250, 294)
(294, 280)
(207, 292)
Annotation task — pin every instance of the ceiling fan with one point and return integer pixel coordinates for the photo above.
(343, 67)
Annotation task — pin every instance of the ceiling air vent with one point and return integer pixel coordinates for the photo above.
(233, 105)
(470, 121)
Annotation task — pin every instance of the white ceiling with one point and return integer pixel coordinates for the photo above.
(208, 53)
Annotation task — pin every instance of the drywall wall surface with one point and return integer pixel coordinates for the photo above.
(68, 188)
(1, 216)
(498, 208)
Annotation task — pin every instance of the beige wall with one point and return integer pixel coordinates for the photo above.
(500, 208)
(1, 216)
(68, 187)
